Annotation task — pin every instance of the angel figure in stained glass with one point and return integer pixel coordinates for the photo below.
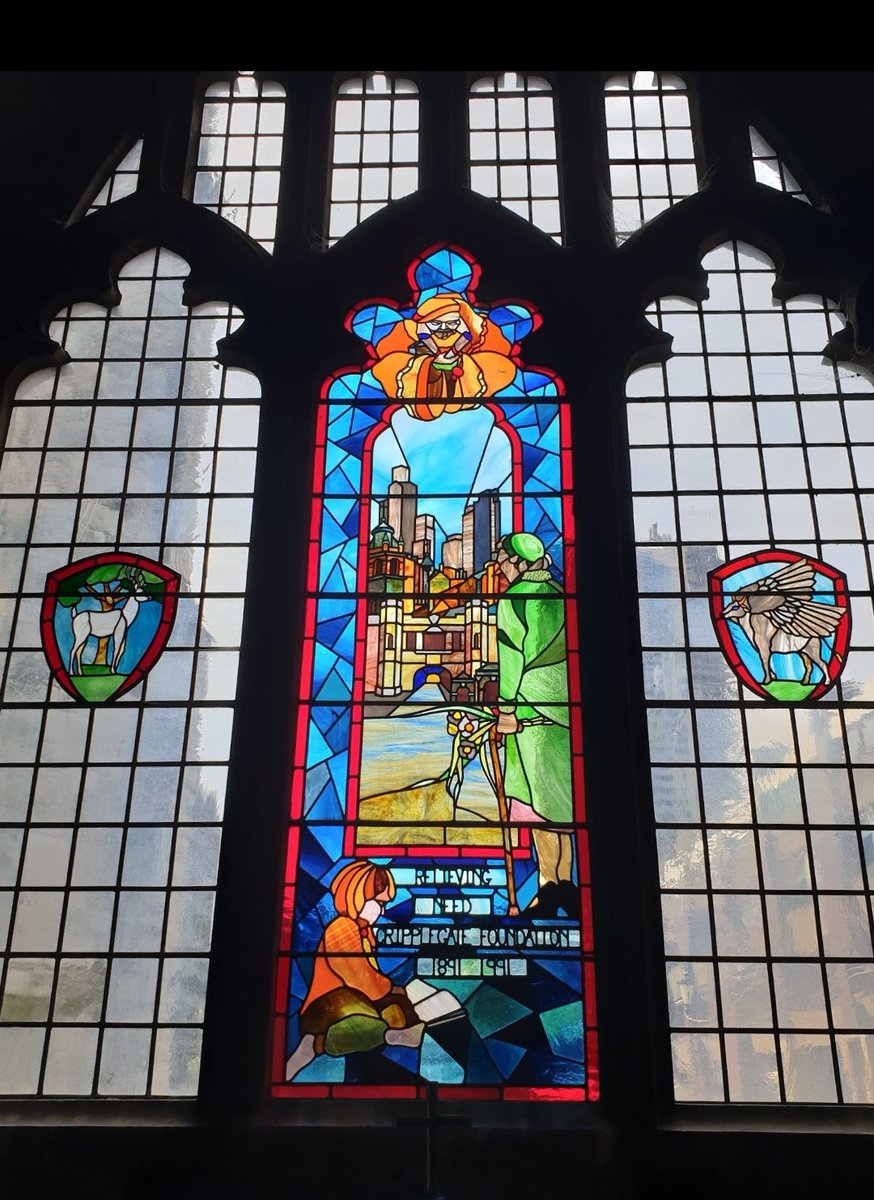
(443, 357)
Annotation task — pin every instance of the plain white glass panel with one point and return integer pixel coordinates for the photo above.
(685, 329)
(146, 857)
(691, 994)
(778, 798)
(686, 924)
(695, 469)
(647, 423)
(651, 470)
(856, 1064)
(679, 144)
(183, 990)
(697, 1067)
(769, 733)
(670, 735)
(784, 859)
(732, 857)
(713, 678)
(700, 519)
(20, 1060)
(124, 1062)
(751, 1061)
(665, 676)
(14, 798)
(53, 521)
(851, 992)
(203, 792)
(654, 519)
(792, 926)
(112, 735)
(79, 994)
(799, 995)
(19, 730)
(661, 623)
(784, 466)
(96, 856)
(177, 1062)
(88, 921)
(10, 852)
(729, 375)
(675, 794)
(216, 677)
(745, 994)
(154, 794)
(720, 735)
(139, 921)
(846, 932)
(189, 922)
(70, 1062)
(28, 989)
(46, 857)
(791, 517)
(726, 796)
(195, 860)
(819, 735)
(827, 793)
(746, 518)
(26, 676)
(686, 376)
(838, 516)
(653, 180)
(836, 859)
(161, 734)
(132, 985)
(738, 924)
(658, 569)
(740, 469)
(231, 520)
(681, 858)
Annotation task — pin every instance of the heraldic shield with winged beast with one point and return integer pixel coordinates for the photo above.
(783, 623)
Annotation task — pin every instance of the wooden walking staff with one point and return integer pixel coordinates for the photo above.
(504, 818)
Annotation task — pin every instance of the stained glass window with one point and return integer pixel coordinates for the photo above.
(125, 499)
(239, 154)
(375, 149)
(750, 458)
(437, 918)
(650, 147)
(512, 147)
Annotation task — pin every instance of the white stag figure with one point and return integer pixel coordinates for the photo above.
(779, 616)
(110, 623)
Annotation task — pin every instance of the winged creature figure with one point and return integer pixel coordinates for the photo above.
(779, 616)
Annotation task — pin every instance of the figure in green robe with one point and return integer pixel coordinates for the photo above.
(533, 715)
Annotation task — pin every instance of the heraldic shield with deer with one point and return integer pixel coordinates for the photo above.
(105, 622)
(783, 623)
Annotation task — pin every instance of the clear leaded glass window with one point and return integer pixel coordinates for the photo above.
(239, 154)
(123, 180)
(375, 149)
(771, 170)
(751, 468)
(513, 156)
(125, 499)
(650, 147)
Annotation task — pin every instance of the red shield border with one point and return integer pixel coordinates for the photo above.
(719, 597)
(155, 648)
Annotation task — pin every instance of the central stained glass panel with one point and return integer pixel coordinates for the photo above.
(437, 922)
